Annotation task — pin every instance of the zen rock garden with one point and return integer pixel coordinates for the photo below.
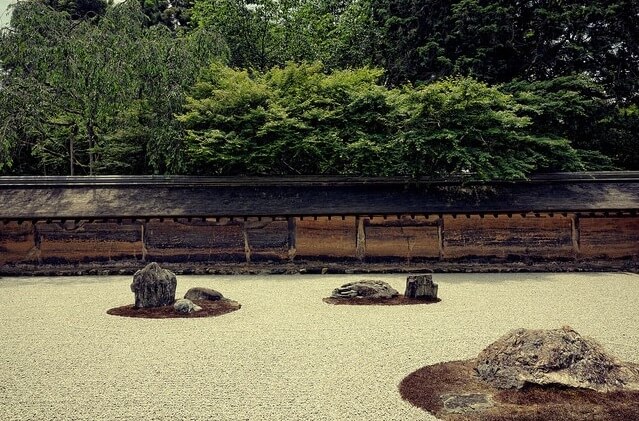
(527, 374)
(154, 291)
(420, 289)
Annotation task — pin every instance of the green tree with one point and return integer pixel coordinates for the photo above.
(624, 129)
(460, 125)
(79, 9)
(575, 108)
(290, 120)
(245, 26)
(354, 39)
(497, 41)
(573, 65)
(85, 97)
(174, 14)
(266, 33)
(300, 120)
(411, 39)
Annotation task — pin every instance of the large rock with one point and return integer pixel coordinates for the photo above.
(365, 289)
(153, 286)
(553, 357)
(201, 293)
(421, 287)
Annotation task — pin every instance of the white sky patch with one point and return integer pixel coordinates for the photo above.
(4, 12)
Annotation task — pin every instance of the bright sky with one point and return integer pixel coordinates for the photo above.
(4, 15)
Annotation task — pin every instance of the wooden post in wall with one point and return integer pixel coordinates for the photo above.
(37, 241)
(440, 236)
(143, 240)
(575, 232)
(247, 245)
(360, 239)
(292, 236)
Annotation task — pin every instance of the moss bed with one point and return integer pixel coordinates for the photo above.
(400, 300)
(425, 387)
(209, 309)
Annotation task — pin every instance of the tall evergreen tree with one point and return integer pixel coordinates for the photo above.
(501, 40)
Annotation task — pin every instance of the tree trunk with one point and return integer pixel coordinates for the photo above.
(91, 137)
(74, 134)
(71, 157)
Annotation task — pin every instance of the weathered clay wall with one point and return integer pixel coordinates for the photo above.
(501, 237)
(57, 243)
(326, 239)
(17, 243)
(194, 241)
(363, 240)
(402, 239)
(608, 238)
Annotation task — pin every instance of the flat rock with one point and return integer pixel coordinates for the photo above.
(553, 357)
(365, 288)
(185, 306)
(466, 402)
(201, 293)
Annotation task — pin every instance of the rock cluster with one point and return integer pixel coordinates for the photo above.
(553, 357)
(365, 289)
(153, 286)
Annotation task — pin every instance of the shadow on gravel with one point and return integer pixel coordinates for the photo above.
(395, 301)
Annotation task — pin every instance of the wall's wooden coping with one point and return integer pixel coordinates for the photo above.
(178, 180)
(148, 197)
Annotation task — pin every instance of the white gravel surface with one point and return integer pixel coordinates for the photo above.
(285, 355)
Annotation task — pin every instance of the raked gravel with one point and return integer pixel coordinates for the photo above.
(285, 355)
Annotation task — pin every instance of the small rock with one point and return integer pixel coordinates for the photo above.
(184, 306)
(467, 402)
(201, 293)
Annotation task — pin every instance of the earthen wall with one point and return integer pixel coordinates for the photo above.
(402, 239)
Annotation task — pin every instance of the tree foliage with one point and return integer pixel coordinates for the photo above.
(265, 33)
(79, 9)
(460, 125)
(498, 40)
(290, 120)
(93, 96)
(174, 14)
(298, 119)
(498, 88)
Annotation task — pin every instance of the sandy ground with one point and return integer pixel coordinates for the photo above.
(286, 355)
